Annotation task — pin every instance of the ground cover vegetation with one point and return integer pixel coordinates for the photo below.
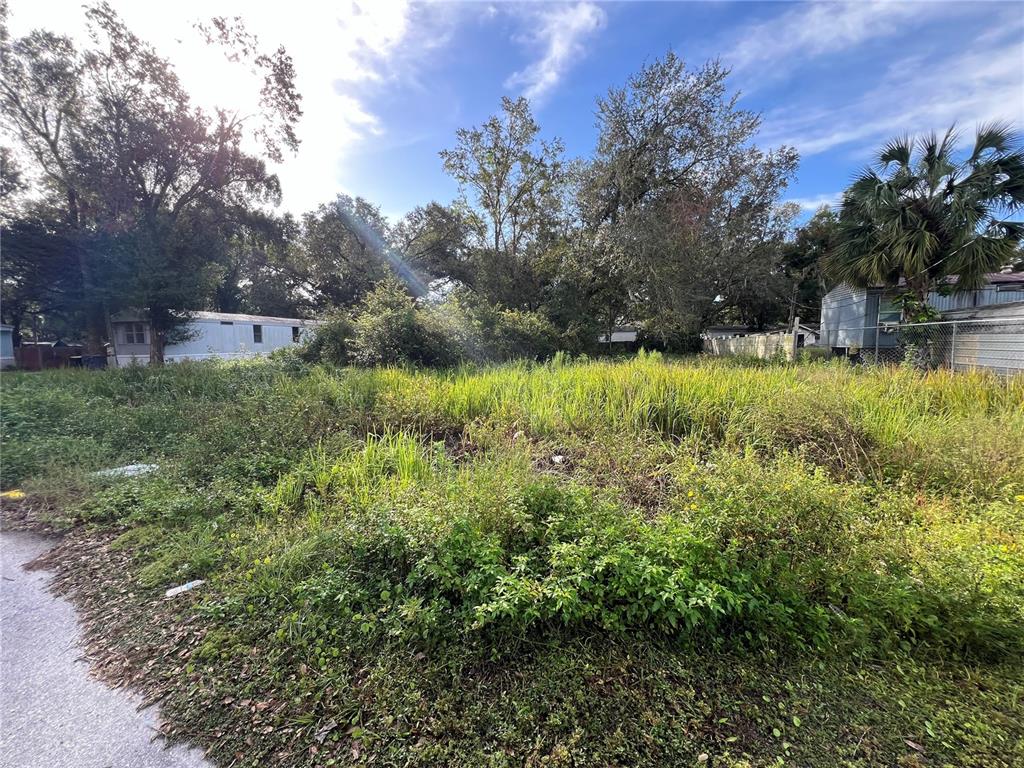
(641, 562)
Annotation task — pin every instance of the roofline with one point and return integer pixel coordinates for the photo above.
(134, 317)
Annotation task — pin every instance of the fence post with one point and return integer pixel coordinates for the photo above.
(952, 349)
(877, 331)
(793, 343)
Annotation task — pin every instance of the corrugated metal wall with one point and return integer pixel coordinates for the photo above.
(848, 314)
(983, 297)
(981, 348)
(844, 312)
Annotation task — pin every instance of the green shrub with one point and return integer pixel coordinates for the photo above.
(331, 340)
(495, 334)
(390, 330)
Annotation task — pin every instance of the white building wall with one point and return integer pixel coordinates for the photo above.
(218, 339)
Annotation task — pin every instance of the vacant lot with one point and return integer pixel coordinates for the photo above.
(641, 562)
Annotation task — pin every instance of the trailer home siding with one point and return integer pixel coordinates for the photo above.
(212, 335)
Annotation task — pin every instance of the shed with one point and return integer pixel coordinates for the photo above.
(621, 334)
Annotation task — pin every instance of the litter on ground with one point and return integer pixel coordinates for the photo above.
(183, 588)
(131, 470)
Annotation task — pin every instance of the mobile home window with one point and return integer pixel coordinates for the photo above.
(295, 334)
(257, 334)
(888, 311)
(134, 333)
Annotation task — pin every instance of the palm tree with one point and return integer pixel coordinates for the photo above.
(921, 215)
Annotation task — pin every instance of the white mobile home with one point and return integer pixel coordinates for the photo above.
(212, 334)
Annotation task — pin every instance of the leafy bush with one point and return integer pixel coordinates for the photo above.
(389, 330)
(331, 340)
(496, 334)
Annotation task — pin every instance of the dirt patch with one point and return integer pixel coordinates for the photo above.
(28, 514)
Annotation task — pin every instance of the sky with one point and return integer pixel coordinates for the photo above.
(386, 83)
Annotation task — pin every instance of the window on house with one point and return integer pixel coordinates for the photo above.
(888, 311)
(134, 333)
(295, 334)
(257, 334)
(227, 322)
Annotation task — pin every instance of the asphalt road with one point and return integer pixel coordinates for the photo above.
(52, 713)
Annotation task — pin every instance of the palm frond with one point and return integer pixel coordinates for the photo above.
(898, 150)
(997, 136)
(1011, 230)
(924, 211)
(1010, 184)
(949, 142)
(977, 257)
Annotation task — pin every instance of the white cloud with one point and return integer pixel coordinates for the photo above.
(779, 45)
(560, 33)
(981, 81)
(340, 54)
(812, 204)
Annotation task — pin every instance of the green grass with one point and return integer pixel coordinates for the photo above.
(578, 563)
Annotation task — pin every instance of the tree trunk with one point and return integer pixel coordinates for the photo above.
(611, 327)
(792, 306)
(95, 318)
(157, 339)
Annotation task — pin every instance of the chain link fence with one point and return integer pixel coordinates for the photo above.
(995, 344)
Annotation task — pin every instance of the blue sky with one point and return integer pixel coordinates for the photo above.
(386, 84)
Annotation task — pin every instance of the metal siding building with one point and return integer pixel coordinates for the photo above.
(7, 346)
(989, 342)
(214, 335)
(983, 297)
(850, 316)
(844, 313)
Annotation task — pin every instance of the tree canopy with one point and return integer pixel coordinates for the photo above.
(140, 199)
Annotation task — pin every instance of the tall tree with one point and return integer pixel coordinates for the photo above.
(510, 179)
(924, 212)
(683, 207)
(342, 251)
(41, 90)
(435, 240)
(259, 272)
(803, 260)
